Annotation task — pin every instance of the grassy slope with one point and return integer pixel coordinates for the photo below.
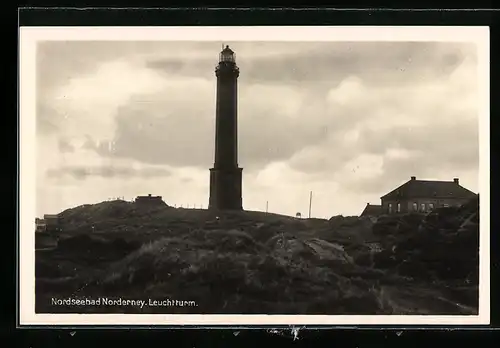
(253, 262)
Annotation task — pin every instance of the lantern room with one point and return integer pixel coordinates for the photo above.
(227, 55)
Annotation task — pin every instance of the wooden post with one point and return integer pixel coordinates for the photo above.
(310, 203)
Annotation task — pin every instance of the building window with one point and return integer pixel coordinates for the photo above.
(431, 206)
(390, 208)
(415, 207)
(422, 207)
(399, 207)
(445, 205)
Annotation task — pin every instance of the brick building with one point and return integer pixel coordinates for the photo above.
(149, 200)
(424, 195)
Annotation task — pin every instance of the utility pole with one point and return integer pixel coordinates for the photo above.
(310, 202)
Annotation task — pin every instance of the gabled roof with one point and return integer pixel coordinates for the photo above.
(227, 49)
(429, 189)
(372, 209)
(148, 197)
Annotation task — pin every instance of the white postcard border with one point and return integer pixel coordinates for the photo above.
(29, 36)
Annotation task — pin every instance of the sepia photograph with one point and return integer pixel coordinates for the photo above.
(313, 174)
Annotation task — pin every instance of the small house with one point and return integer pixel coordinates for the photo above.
(149, 200)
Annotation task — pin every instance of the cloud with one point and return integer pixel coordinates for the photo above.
(352, 118)
(88, 103)
(320, 62)
(288, 118)
(436, 125)
(65, 146)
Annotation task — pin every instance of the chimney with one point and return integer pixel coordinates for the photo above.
(413, 178)
(149, 194)
(367, 203)
(455, 180)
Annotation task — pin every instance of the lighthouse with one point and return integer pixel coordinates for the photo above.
(226, 176)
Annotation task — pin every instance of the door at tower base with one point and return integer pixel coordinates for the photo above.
(225, 189)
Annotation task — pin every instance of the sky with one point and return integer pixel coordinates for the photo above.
(347, 121)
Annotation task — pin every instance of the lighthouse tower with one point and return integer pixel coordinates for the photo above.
(226, 176)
